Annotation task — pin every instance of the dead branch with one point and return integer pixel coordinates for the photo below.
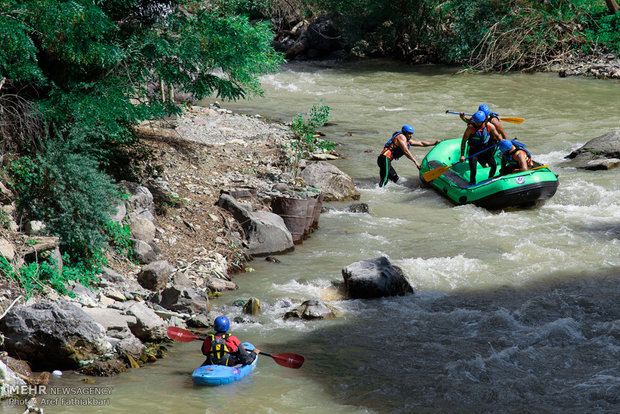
(10, 306)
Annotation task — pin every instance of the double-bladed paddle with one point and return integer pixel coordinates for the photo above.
(288, 360)
(511, 119)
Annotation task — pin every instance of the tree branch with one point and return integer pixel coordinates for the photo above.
(612, 6)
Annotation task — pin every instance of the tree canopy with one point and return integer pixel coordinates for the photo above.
(78, 75)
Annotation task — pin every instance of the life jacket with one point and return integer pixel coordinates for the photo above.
(391, 148)
(479, 136)
(493, 115)
(510, 158)
(219, 354)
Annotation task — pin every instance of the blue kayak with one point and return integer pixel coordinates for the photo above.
(213, 375)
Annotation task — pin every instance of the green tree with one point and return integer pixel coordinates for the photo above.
(79, 75)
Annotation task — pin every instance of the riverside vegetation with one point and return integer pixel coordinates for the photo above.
(481, 35)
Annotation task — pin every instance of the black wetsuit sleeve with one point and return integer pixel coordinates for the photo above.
(244, 357)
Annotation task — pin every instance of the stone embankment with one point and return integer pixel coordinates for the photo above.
(199, 211)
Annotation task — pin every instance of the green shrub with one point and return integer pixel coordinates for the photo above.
(448, 30)
(87, 73)
(606, 31)
(459, 26)
(488, 34)
(120, 238)
(33, 277)
(306, 141)
(68, 192)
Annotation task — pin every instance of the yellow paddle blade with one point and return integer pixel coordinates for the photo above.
(511, 119)
(539, 167)
(436, 172)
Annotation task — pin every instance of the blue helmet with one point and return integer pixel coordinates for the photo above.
(479, 117)
(407, 128)
(505, 145)
(485, 108)
(221, 324)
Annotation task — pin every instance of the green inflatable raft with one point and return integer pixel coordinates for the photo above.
(528, 188)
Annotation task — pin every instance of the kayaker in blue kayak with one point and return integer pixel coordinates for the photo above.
(222, 348)
(492, 118)
(482, 137)
(397, 146)
(515, 158)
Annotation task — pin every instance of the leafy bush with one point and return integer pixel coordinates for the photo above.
(120, 238)
(33, 277)
(306, 140)
(520, 33)
(606, 31)
(525, 39)
(67, 190)
(533, 35)
(444, 30)
(459, 26)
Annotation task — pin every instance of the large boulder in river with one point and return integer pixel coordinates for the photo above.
(600, 153)
(374, 278)
(333, 183)
(312, 309)
(266, 232)
(53, 335)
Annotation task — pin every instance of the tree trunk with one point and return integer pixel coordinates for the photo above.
(612, 5)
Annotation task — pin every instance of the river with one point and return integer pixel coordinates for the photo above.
(514, 311)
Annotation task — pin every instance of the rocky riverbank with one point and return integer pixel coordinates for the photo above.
(199, 209)
(602, 66)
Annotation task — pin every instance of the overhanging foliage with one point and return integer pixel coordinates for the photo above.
(80, 74)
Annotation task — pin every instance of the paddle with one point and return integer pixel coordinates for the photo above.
(288, 360)
(439, 171)
(511, 119)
